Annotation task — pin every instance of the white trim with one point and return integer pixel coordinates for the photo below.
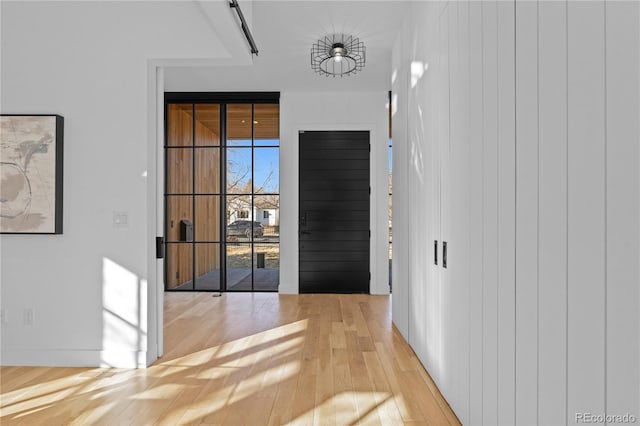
(289, 282)
(155, 190)
(71, 358)
(159, 205)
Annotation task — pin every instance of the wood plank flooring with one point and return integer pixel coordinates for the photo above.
(246, 359)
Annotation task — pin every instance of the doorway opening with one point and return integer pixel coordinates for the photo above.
(222, 196)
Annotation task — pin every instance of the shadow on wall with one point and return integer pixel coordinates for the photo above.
(124, 306)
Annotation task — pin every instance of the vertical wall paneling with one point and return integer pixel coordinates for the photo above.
(417, 139)
(526, 212)
(506, 213)
(623, 213)
(427, 64)
(461, 196)
(475, 165)
(586, 209)
(453, 206)
(447, 224)
(552, 212)
(400, 261)
(415, 287)
(490, 212)
(525, 159)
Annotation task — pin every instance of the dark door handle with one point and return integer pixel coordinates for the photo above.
(435, 252)
(444, 254)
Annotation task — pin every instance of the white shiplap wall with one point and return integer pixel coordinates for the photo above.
(519, 146)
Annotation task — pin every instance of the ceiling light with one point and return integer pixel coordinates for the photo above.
(337, 55)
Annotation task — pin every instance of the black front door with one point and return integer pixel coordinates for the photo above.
(334, 212)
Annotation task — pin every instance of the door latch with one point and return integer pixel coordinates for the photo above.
(159, 247)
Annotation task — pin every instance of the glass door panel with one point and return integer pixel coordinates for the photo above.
(179, 215)
(179, 264)
(266, 266)
(180, 125)
(266, 170)
(239, 267)
(208, 266)
(222, 197)
(207, 125)
(239, 124)
(266, 125)
(207, 177)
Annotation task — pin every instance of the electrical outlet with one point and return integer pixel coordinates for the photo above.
(28, 316)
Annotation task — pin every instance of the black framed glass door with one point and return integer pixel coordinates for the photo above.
(221, 194)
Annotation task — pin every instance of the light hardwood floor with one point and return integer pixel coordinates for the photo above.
(246, 359)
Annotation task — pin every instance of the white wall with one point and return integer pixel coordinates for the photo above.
(96, 290)
(89, 61)
(301, 111)
(522, 134)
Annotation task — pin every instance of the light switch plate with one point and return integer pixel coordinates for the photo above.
(121, 219)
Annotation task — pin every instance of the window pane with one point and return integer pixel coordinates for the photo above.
(208, 266)
(267, 209)
(207, 170)
(238, 266)
(207, 125)
(239, 171)
(179, 266)
(239, 125)
(266, 266)
(266, 125)
(266, 171)
(179, 207)
(240, 225)
(180, 125)
(207, 218)
(179, 170)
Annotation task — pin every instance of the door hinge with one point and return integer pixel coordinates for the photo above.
(369, 233)
(369, 147)
(159, 247)
(369, 190)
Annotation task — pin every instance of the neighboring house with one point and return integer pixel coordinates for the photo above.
(266, 213)
(268, 217)
(239, 208)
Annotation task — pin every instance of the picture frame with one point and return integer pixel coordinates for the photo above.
(31, 173)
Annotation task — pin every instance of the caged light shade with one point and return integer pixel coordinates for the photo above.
(337, 55)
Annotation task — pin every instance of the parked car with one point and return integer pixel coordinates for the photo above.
(242, 228)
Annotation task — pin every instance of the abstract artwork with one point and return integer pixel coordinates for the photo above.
(31, 174)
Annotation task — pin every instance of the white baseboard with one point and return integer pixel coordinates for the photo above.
(71, 358)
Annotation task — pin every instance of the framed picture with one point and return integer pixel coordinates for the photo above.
(31, 148)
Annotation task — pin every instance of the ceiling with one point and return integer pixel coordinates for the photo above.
(284, 32)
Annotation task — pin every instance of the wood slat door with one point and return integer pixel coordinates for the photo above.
(334, 231)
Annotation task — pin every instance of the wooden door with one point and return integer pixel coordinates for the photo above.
(334, 232)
